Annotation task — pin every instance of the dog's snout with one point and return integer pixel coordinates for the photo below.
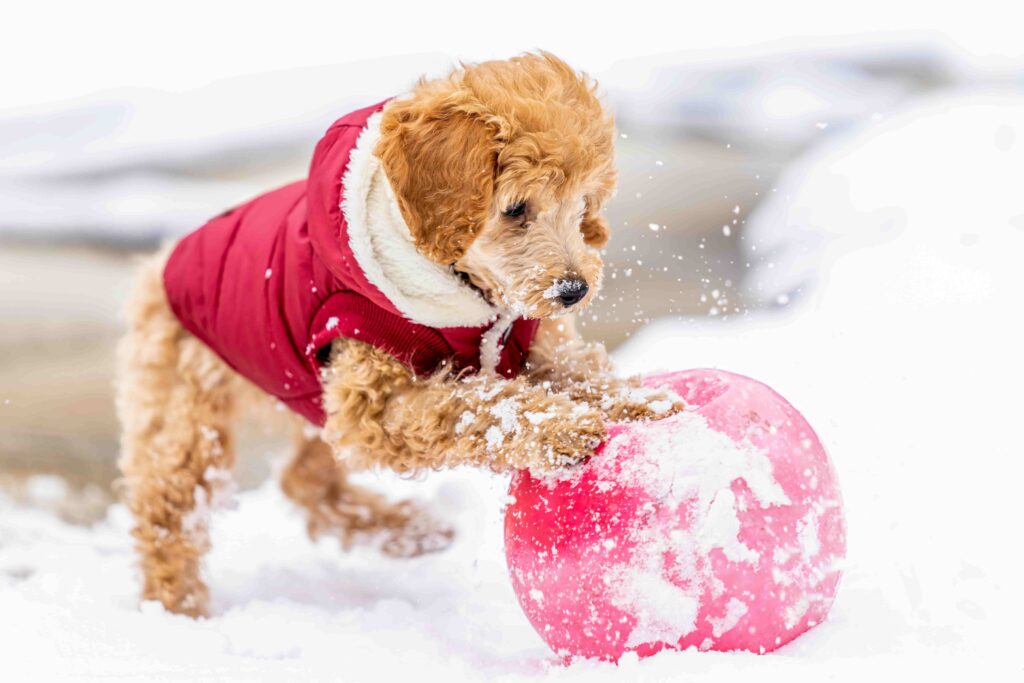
(572, 291)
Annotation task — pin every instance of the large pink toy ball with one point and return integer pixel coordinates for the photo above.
(719, 528)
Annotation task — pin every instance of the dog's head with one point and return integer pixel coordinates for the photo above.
(501, 171)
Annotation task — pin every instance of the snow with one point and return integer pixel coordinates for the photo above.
(507, 411)
(494, 437)
(718, 462)
(903, 351)
(734, 611)
(663, 611)
(826, 208)
(465, 420)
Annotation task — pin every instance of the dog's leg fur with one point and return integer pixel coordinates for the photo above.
(175, 402)
(559, 358)
(317, 481)
(383, 415)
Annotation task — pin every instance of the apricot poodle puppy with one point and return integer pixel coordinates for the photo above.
(410, 303)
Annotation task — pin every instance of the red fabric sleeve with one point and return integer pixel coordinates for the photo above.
(351, 316)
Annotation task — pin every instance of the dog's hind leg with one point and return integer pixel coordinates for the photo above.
(318, 482)
(175, 400)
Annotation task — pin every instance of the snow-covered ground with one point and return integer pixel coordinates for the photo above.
(904, 351)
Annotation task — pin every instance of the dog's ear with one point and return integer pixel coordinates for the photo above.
(595, 229)
(441, 160)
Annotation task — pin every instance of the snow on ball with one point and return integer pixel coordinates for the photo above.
(719, 528)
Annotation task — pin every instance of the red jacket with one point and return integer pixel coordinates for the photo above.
(270, 284)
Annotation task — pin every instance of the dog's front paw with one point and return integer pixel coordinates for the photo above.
(632, 402)
(565, 441)
(420, 533)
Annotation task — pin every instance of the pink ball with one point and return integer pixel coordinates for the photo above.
(719, 528)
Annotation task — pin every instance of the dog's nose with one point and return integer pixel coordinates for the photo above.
(572, 291)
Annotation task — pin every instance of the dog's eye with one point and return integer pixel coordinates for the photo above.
(515, 210)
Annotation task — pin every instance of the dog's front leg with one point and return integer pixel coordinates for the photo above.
(380, 414)
(560, 359)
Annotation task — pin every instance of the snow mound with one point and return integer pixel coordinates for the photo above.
(945, 173)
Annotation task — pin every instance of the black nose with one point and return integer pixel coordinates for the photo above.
(572, 291)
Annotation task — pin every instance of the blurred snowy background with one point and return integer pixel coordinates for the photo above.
(830, 203)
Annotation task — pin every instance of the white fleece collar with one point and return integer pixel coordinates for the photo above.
(425, 292)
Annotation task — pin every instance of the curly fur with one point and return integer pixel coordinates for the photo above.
(457, 152)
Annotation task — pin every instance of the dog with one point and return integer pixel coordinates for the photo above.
(411, 302)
